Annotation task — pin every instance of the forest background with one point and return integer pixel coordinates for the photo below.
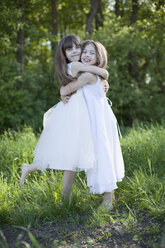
(131, 30)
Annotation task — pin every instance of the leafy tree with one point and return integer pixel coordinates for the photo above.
(131, 30)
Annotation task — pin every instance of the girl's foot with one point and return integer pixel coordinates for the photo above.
(107, 200)
(25, 171)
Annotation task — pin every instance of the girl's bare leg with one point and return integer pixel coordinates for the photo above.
(26, 169)
(107, 200)
(68, 178)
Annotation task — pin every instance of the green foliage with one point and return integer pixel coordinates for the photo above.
(136, 55)
(136, 60)
(25, 98)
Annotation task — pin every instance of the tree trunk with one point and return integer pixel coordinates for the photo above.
(20, 38)
(54, 31)
(159, 4)
(99, 16)
(92, 14)
(117, 8)
(135, 8)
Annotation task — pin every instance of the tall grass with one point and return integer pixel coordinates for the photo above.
(144, 155)
(38, 201)
(143, 145)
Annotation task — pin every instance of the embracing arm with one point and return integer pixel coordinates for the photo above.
(80, 67)
(83, 79)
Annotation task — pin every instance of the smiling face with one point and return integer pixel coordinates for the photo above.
(73, 53)
(89, 56)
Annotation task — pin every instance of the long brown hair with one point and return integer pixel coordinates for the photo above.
(101, 53)
(61, 60)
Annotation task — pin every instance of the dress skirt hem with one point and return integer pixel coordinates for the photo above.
(100, 189)
(79, 166)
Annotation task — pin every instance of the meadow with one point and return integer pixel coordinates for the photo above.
(31, 216)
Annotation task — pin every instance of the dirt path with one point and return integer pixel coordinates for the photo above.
(62, 235)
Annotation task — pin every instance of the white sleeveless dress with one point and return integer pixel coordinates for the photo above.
(109, 167)
(66, 140)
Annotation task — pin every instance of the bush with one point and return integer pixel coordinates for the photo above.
(136, 73)
(25, 98)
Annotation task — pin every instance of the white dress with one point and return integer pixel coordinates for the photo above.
(109, 167)
(66, 140)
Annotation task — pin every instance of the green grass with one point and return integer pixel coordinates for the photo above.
(140, 195)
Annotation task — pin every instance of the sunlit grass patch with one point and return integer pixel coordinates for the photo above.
(141, 192)
(145, 193)
(143, 144)
(15, 148)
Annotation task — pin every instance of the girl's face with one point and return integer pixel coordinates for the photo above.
(73, 53)
(88, 56)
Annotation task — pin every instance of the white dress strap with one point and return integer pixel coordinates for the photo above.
(69, 68)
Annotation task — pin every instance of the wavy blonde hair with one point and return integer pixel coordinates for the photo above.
(101, 53)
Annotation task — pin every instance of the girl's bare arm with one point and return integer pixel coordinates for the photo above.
(77, 67)
(83, 79)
